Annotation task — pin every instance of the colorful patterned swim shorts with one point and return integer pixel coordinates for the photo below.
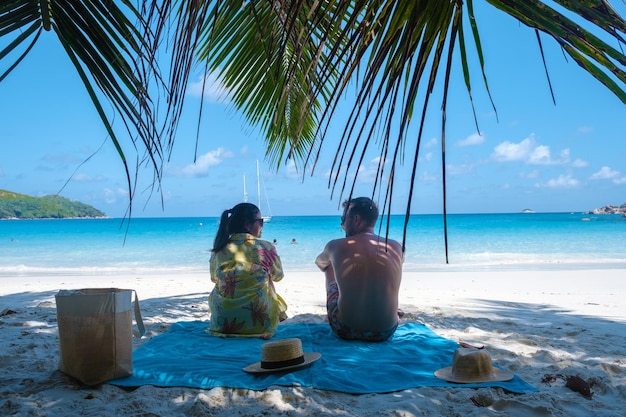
(346, 332)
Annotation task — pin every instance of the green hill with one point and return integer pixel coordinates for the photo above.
(20, 206)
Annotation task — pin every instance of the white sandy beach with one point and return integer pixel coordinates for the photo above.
(533, 322)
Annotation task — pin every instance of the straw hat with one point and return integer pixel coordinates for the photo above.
(282, 355)
(472, 365)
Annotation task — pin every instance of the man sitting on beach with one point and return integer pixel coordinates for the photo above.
(363, 273)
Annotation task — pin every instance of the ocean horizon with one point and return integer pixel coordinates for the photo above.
(182, 244)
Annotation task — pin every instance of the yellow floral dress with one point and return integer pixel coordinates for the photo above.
(244, 301)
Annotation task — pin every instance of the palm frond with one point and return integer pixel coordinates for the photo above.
(290, 64)
(592, 53)
(108, 50)
(268, 55)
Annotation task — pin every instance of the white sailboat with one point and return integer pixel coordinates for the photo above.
(266, 218)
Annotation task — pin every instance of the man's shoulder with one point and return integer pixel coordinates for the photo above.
(391, 243)
(336, 242)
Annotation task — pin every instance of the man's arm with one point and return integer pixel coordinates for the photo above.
(323, 259)
(325, 264)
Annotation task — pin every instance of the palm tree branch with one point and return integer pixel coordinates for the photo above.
(392, 53)
(20, 39)
(279, 84)
(598, 12)
(564, 31)
(17, 14)
(479, 53)
(105, 120)
(101, 48)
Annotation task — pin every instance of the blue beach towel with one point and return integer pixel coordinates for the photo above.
(187, 356)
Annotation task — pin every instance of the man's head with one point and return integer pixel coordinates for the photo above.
(359, 214)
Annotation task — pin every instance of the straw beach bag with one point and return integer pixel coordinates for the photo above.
(95, 333)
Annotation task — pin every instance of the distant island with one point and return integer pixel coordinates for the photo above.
(20, 206)
(602, 210)
(610, 210)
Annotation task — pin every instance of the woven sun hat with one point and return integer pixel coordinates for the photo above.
(472, 365)
(282, 355)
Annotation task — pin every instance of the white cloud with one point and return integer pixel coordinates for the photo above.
(214, 90)
(298, 171)
(563, 181)
(472, 140)
(585, 129)
(428, 177)
(528, 152)
(367, 173)
(507, 151)
(579, 163)
(80, 177)
(428, 156)
(167, 195)
(431, 143)
(539, 156)
(459, 169)
(201, 167)
(605, 173)
(290, 169)
(110, 196)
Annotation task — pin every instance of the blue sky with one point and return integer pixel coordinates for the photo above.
(565, 157)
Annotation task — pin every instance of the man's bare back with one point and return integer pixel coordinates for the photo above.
(367, 271)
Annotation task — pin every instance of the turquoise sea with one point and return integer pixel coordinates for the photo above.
(476, 241)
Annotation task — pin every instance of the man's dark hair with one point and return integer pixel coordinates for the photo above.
(364, 207)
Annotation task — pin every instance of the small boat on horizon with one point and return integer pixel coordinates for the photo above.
(527, 211)
(266, 218)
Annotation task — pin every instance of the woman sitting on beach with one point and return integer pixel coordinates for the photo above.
(244, 268)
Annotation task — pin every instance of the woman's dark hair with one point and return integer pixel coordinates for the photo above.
(234, 221)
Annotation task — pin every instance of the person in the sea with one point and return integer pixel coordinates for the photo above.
(244, 268)
(363, 274)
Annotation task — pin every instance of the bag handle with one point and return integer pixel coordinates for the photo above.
(138, 319)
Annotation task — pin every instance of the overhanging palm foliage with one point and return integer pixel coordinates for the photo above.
(289, 64)
(108, 47)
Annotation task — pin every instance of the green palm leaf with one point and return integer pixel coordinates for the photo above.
(109, 53)
(290, 64)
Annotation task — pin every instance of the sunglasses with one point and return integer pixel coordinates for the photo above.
(260, 221)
